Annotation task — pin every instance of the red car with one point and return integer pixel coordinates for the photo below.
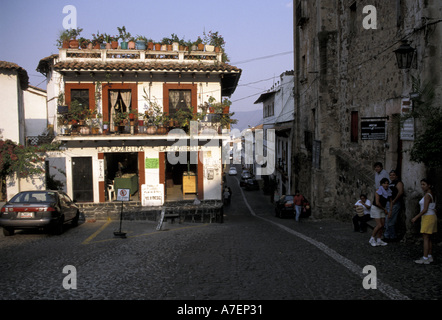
(38, 209)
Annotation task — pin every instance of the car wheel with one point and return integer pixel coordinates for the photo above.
(58, 228)
(8, 232)
(74, 222)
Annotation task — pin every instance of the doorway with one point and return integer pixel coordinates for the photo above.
(121, 171)
(82, 179)
(181, 178)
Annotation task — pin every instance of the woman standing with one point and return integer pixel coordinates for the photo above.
(379, 211)
(429, 221)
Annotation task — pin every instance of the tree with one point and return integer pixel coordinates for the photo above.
(427, 147)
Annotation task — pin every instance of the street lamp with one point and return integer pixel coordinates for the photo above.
(405, 56)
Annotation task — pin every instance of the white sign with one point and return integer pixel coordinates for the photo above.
(152, 195)
(123, 195)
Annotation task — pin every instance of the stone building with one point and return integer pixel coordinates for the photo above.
(350, 94)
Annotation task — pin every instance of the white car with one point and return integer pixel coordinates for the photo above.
(232, 171)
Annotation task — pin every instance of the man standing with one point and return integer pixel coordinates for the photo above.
(379, 174)
(397, 188)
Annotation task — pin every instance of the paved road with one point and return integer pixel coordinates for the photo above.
(251, 256)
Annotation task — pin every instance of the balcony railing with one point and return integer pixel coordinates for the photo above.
(115, 55)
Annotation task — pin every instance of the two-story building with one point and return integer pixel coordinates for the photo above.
(110, 85)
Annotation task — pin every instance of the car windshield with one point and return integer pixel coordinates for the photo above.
(288, 198)
(32, 197)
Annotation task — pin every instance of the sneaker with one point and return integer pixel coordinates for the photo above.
(430, 259)
(422, 260)
(372, 241)
(381, 243)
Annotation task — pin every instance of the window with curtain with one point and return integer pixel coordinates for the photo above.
(119, 101)
(179, 99)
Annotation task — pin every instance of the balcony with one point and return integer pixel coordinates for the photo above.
(139, 56)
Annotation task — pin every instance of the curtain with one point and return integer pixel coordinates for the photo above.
(113, 101)
(174, 96)
(126, 96)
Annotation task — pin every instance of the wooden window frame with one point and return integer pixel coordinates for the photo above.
(72, 86)
(118, 86)
(178, 86)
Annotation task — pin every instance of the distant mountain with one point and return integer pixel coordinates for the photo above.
(247, 118)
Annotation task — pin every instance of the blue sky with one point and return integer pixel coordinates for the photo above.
(252, 29)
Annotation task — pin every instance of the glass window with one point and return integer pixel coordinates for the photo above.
(179, 99)
(82, 96)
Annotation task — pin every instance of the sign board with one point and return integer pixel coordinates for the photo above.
(123, 194)
(407, 126)
(152, 195)
(373, 130)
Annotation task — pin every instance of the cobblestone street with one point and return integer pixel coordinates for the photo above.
(251, 256)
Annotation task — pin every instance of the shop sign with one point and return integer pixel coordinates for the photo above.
(373, 130)
(152, 195)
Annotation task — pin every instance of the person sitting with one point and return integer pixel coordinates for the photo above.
(362, 207)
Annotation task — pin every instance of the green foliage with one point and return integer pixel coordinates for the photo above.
(24, 161)
(427, 147)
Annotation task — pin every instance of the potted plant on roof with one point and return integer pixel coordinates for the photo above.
(131, 43)
(217, 41)
(199, 43)
(97, 40)
(140, 42)
(74, 33)
(63, 39)
(166, 44)
(124, 36)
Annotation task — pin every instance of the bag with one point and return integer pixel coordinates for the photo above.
(360, 211)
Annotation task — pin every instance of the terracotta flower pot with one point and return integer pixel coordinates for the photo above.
(150, 45)
(157, 46)
(114, 44)
(73, 44)
(131, 45)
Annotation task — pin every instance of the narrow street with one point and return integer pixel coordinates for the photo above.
(251, 256)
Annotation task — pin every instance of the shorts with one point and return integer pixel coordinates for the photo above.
(429, 224)
(376, 212)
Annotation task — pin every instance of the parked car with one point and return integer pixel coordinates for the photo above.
(251, 184)
(285, 207)
(232, 171)
(244, 176)
(38, 209)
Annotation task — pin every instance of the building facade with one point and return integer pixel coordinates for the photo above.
(112, 150)
(278, 115)
(350, 96)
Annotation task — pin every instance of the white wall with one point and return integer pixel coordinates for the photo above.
(10, 106)
(35, 111)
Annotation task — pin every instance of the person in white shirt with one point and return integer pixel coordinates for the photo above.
(362, 215)
(379, 174)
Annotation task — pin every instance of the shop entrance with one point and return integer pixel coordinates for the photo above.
(121, 172)
(181, 178)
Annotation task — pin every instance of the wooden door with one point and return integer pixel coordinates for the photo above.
(82, 179)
